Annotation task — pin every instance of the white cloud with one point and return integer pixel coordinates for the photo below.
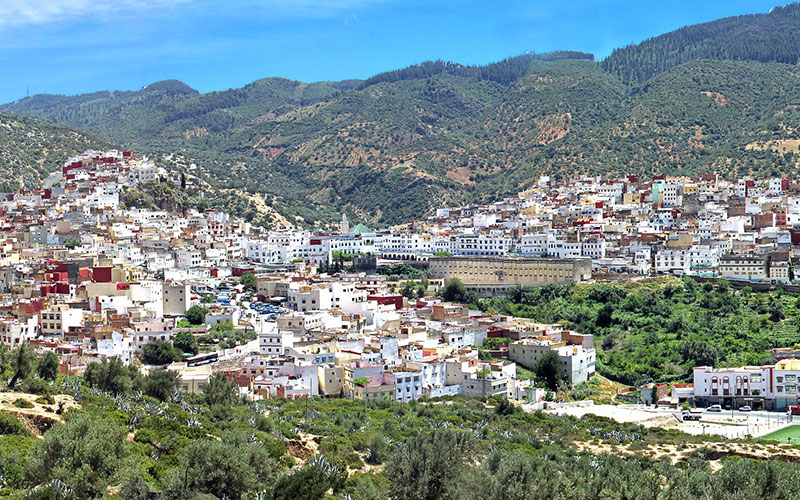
(27, 12)
(32, 12)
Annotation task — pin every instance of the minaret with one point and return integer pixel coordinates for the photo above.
(344, 226)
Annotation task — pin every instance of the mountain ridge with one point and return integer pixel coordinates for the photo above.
(391, 148)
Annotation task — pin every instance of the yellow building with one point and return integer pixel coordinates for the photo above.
(788, 364)
(633, 198)
(193, 378)
(493, 275)
(331, 380)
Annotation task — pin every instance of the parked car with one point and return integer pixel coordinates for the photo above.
(793, 410)
(716, 408)
(745, 408)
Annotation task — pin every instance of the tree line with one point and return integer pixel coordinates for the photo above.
(773, 37)
(505, 72)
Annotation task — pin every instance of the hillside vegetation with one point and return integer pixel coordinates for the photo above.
(31, 148)
(660, 329)
(773, 37)
(720, 96)
(128, 436)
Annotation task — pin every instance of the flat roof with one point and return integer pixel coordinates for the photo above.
(509, 258)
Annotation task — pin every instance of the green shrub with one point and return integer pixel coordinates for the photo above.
(35, 386)
(47, 399)
(9, 424)
(353, 461)
(22, 403)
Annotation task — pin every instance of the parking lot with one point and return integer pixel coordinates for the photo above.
(731, 424)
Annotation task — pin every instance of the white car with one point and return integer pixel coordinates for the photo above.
(716, 408)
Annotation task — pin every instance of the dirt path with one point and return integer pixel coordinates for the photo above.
(608, 390)
(41, 416)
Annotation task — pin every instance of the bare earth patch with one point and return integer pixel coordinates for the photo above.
(306, 446)
(713, 451)
(777, 146)
(718, 98)
(195, 132)
(552, 128)
(460, 174)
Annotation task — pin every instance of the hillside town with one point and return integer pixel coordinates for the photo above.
(289, 312)
(90, 280)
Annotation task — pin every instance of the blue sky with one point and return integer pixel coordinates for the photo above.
(77, 46)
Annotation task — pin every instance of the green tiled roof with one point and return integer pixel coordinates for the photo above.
(360, 229)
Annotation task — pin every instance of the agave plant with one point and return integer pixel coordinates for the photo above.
(71, 385)
(193, 422)
(176, 396)
(153, 409)
(98, 393)
(321, 463)
(188, 408)
(61, 489)
(122, 403)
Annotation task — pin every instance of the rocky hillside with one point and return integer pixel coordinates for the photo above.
(31, 148)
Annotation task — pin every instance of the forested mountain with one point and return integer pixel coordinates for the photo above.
(171, 107)
(31, 148)
(773, 37)
(506, 71)
(720, 96)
